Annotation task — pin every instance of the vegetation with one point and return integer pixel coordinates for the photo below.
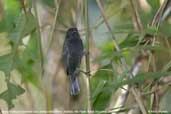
(128, 55)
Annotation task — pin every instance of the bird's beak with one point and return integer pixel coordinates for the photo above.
(74, 31)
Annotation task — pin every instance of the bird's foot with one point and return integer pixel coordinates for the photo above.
(87, 73)
(85, 52)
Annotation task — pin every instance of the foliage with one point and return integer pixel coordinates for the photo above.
(100, 80)
(23, 57)
(10, 94)
(20, 46)
(130, 45)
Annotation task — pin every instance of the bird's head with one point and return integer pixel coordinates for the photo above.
(72, 33)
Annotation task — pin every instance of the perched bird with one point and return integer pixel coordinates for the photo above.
(72, 55)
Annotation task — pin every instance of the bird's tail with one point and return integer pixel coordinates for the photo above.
(75, 87)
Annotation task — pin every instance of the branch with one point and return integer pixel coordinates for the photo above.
(0, 111)
(51, 34)
(123, 61)
(136, 17)
(34, 3)
(158, 16)
(87, 56)
(125, 89)
(156, 23)
(39, 36)
(138, 61)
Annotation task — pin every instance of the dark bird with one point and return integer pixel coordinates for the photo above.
(72, 55)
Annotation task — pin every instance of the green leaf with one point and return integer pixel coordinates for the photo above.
(12, 6)
(28, 61)
(17, 33)
(3, 27)
(167, 66)
(165, 29)
(5, 63)
(12, 11)
(30, 25)
(130, 41)
(140, 78)
(98, 89)
(15, 37)
(155, 48)
(108, 54)
(11, 93)
(50, 3)
(5, 47)
(99, 81)
(151, 30)
(165, 100)
(155, 4)
(24, 25)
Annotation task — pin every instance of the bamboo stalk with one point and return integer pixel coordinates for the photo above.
(88, 56)
(48, 99)
(51, 34)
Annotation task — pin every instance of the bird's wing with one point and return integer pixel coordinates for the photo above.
(81, 52)
(66, 56)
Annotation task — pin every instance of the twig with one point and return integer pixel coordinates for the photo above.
(88, 56)
(48, 100)
(155, 23)
(168, 45)
(158, 16)
(29, 96)
(0, 111)
(133, 90)
(135, 68)
(136, 17)
(51, 34)
(120, 102)
(39, 36)
(125, 90)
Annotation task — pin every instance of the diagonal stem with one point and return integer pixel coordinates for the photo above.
(39, 36)
(123, 61)
(136, 16)
(51, 34)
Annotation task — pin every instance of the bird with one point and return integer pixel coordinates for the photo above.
(72, 55)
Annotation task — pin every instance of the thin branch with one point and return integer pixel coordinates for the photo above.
(155, 23)
(39, 36)
(48, 100)
(158, 16)
(29, 96)
(168, 45)
(125, 90)
(51, 34)
(88, 55)
(134, 70)
(133, 90)
(120, 102)
(0, 111)
(136, 17)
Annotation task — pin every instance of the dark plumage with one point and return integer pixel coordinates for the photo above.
(72, 54)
